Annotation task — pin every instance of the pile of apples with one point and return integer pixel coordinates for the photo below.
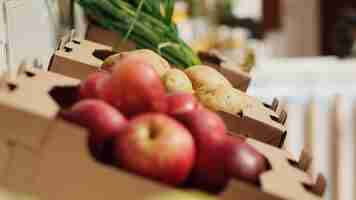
(137, 126)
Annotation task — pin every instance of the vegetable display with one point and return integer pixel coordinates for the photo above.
(165, 134)
(148, 23)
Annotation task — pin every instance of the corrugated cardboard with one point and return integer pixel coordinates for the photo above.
(29, 94)
(259, 121)
(27, 115)
(83, 178)
(109, 38)
(282, 182)
(4, 158)
(22, 169)
(80, 54)
(63, 169)
(50, 158)
(75, 58)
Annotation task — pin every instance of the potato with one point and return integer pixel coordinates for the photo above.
(226, 99)
(176, 80)
(206, 78)
(160, 65)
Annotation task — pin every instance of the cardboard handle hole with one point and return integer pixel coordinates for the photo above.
(30, 74)
(76, 42)
(283, 117)
(293, 163)
(210, 58)
(274, 118)
(103, 54)
(12, 87)
(240, 114)
(103, 153)
(68, 49)
(283, 139)
(273, 106)
(65, 96)
(267, 105)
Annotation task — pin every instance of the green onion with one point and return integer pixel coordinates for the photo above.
(143, 22)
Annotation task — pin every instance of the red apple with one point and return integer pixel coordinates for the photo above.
(92, 87)
(158, 147)
(136, 88)
(181, 103)
(103, 120)
(209, 132)
(244, 162)
(159, 64)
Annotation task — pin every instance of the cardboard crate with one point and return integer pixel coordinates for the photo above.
(74, 58)
(50, 158)
(259, 121)
(87, 57)
(109, 38)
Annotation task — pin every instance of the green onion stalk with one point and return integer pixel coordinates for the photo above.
(148, 23)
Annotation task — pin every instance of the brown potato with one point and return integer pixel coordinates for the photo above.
(205, 78)
(226, 99)
(176, 80)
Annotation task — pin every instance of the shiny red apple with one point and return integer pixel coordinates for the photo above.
(209, 132)
(181, 103)
(103, 120)
(157, 147)
(243, 162)
(135, 87)
(92, 87)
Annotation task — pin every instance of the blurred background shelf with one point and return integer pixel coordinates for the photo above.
(320, 98)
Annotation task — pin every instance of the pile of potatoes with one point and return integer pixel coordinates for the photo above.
(212, 89)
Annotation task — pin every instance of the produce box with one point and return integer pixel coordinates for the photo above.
(64, 170)
(27, 115)
(77, 53)
(257, 120)
(74, 58)
(48, 157)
